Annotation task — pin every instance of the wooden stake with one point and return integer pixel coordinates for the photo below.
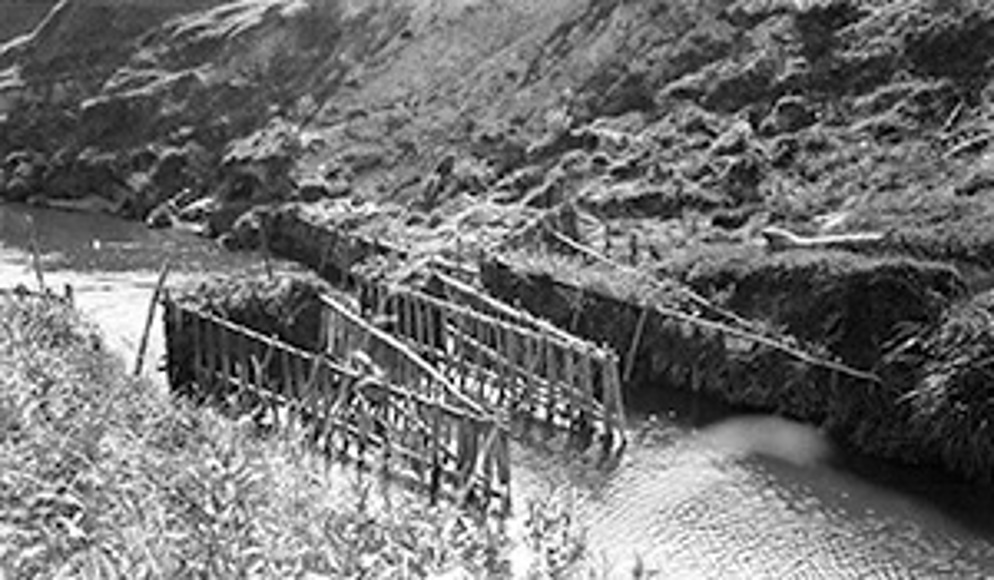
(143, 344)
(36, 254)
(552, 377)
(634, 346)
(569, 378)
(613, 402)
(503, 367)
(197, 345)
(264, 235)
(210, 349)
(432, 331)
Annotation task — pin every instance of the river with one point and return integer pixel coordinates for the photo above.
(701, 492)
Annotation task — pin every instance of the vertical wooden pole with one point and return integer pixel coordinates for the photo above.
(399, 307)
(244, 374)
(435, 467)
(311, 385)
(153, 302)
(333, 332)
(173, 327)
(634, 346)
(447, 349)
(513, 352)
(322, 386)
(210, 350)
(431, 314)
(479, 336)
(460, 350)
(586, 380)
(197, 346)
(504, 470)
(224, 346)
(418, 330)
(287, 391)
(36, 254)
(283, 381)
(324, 331)
(614, 405)
(501, 367)
(532, 354)
(570, 383)
(297, 379)
(264, 235)
(230, 388)
(552, 380)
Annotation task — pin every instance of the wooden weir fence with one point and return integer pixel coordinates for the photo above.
(504, 360)
(419, 429)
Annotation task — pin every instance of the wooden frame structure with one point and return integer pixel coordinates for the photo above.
(509, 360)
(439, 442)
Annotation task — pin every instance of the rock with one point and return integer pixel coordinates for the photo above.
(246, 231)
(558, 143)
(790, 114)
(222, 219)
(200, 210)
(362, 160)
(312, 189)
(115, 118)
(741, 179)
(162, 216)
(143, 159)
(24, 170)
(740, 85)
(734, 141)
(169, 174)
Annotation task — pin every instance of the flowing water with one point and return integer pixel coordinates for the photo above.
(701, 492)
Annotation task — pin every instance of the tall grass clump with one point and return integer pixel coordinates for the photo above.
(947, 373)
(103, 475)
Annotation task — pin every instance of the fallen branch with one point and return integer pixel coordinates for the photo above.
(694, 297)
(720, 326)
(405, 351)
(760, 339)
(501, 309)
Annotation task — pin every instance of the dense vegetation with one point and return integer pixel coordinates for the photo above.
(102, 475)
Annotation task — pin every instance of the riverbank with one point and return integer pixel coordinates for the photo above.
(102, 473)
(870, 347)
(817, 172)
(889, 356)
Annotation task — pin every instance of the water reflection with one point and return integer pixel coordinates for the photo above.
(772, 437)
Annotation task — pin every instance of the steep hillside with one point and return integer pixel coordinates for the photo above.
(823, 168)
(21, 16)
(691, 125)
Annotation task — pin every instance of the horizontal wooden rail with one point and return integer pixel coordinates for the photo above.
(447, 442)
(505, 360)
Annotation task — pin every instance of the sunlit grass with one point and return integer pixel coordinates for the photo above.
(103, 475)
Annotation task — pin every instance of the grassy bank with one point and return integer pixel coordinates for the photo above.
(102, 474)
(929, 344)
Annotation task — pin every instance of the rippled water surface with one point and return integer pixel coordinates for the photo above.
(700, 492)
